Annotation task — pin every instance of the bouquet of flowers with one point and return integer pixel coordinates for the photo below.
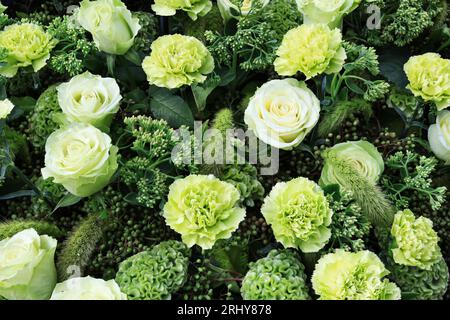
(229, 149)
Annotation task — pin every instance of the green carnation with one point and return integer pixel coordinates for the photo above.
(154, 274)
(415, 242)
(329, 12)
(312, 49)
(194, 8)
(177, 60)
(419, 284)
(429, 78)
(362, 155)
(353, 276)
(203, 209)
(26, 45)
(299, 214)
(279, 276)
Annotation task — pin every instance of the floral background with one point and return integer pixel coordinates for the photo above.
(351, 97)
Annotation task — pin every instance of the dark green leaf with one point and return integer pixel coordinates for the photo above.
(18, 194)
(172, 108)
(201, 92)
(67, 201)
(391, 66)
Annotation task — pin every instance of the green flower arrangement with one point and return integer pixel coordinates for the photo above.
(194, 8)
(299, 214)
(279, 276)
(154, 274)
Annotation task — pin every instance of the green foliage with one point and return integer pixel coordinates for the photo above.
(148, 32)
(406, 103)
(257, 36)
(349, 227)
(335, 116)
(10, 228)
(52, 193)
(155, 274)
(43, 118)
(412, 173)
(69, 56)
(153, 142)
(403, 21)
(279, 276)
(373, 202)
(212, 21)
(361, 66)
(77, 250)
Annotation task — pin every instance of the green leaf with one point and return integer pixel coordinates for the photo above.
(233, 258)
(202, 92)
(111, 64)
(67, 201)
(172, 108)
(354, 87)
(133, 57)
(23, 104)
(391, 66)
(18, 194)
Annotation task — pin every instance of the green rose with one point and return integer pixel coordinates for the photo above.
(193, 8)
(87, 288)
(203, 209)
(90, 99)
(6, 107)
(299, 214)
(429, 78)
(362, 155)
(176, 61)
(111, 24)
(330, 12)
(27, 267)
(353, 276)
(312, 49)
(26, 45)
(81, 158)
(415, 242)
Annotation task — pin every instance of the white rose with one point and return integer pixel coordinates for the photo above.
(88, 288)
(6, 107)
(282, 113)
(111, 24)
(81, 158)
(439, 136)
(91, 99)
(27, 267)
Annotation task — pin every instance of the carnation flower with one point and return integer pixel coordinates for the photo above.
(429, 78)
(282, 113)
(193, 8)
(26, 45)
(91, 99)
(177, 60)
(111, 24)
(312, 49)
(299, 214)
(352, 276)
(415, 242)
(329, 12)
(81, 158)
(439, 136)
(279, 276)
(87, 288)
(6, 107)
(362, 155)
(154, 274)
(27, 267)
(203, 209)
